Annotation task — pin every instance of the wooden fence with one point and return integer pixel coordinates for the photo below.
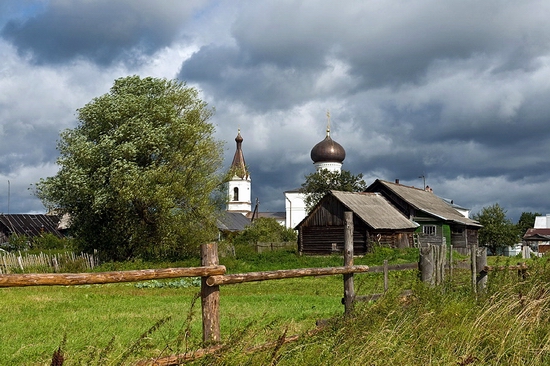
(16, 262)
(213, 275)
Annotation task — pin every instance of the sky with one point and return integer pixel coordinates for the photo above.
(456, 91)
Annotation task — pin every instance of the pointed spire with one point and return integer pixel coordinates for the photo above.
(238, 166)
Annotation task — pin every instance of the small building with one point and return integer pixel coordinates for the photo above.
(538, 239)
(29, 225)
(438, 221)
(375, 222)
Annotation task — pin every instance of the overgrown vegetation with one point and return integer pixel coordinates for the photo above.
(120, 324)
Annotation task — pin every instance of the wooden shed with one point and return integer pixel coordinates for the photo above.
(375, 220)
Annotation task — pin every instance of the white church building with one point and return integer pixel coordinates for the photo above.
(327, 154)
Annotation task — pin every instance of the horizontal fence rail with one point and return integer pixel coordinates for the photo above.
(394, 267)
(284, 273)
(66, 279)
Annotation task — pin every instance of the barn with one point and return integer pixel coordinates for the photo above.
(375, 222)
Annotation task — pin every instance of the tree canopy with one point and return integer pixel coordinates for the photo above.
(497, 231)
(137, 172)
(526, 221)
(321, 182)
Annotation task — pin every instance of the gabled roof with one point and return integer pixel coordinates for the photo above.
(537, 235)
(268, 215)
(31, 224)
(426, 202)
(232, 221)
(373, 209)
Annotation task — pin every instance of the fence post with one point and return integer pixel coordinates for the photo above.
(427, 264)
(210, 297)
(450, 262)
(473, 266)
(349, 291)
(481, 262)
(386, 277)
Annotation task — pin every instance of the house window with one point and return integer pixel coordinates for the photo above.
(429, 230)
(235, 194)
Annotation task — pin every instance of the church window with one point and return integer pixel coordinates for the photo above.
(235, 194)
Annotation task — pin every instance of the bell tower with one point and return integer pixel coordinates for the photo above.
(240, 183)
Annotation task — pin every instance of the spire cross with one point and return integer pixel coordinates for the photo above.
(328, 123)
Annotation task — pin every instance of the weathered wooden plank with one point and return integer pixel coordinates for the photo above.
(281, 274)
(68, 279)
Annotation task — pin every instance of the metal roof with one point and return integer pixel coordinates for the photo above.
(374, 210)
(30, 224)
(232, 221)
(537, 234)
(429, 203)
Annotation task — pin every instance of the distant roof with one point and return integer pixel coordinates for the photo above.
(269, 215)
(30, 224)
(232, 221)
(374, 210)
(537, 235)
(427, 202)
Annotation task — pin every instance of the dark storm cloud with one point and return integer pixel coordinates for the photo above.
(100, 31)
(457, 91)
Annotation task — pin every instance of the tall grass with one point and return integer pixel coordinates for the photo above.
(509, 324)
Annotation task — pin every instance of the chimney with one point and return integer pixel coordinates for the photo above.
(397, 181)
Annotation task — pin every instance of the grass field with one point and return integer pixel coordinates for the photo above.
(120, 324)
(101, 324)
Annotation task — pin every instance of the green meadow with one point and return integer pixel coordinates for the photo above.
(121, 324)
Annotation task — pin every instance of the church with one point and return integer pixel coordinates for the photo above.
(327, 154)
(389, 213)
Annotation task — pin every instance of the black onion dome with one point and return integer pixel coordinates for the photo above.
(328, 150)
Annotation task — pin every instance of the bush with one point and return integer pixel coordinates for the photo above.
(49, 241)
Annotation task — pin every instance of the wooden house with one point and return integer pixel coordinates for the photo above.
(29, 225)
(539, 239)
(438, 221)
(375, 220)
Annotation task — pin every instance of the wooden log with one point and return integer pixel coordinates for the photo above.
(210, 297)
(282, 274)
(349, 290)
(68, 279)
(394, 267)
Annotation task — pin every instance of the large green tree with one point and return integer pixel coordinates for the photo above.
(137, 173)
(321, 182)
(526, 221)
(497, 232)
